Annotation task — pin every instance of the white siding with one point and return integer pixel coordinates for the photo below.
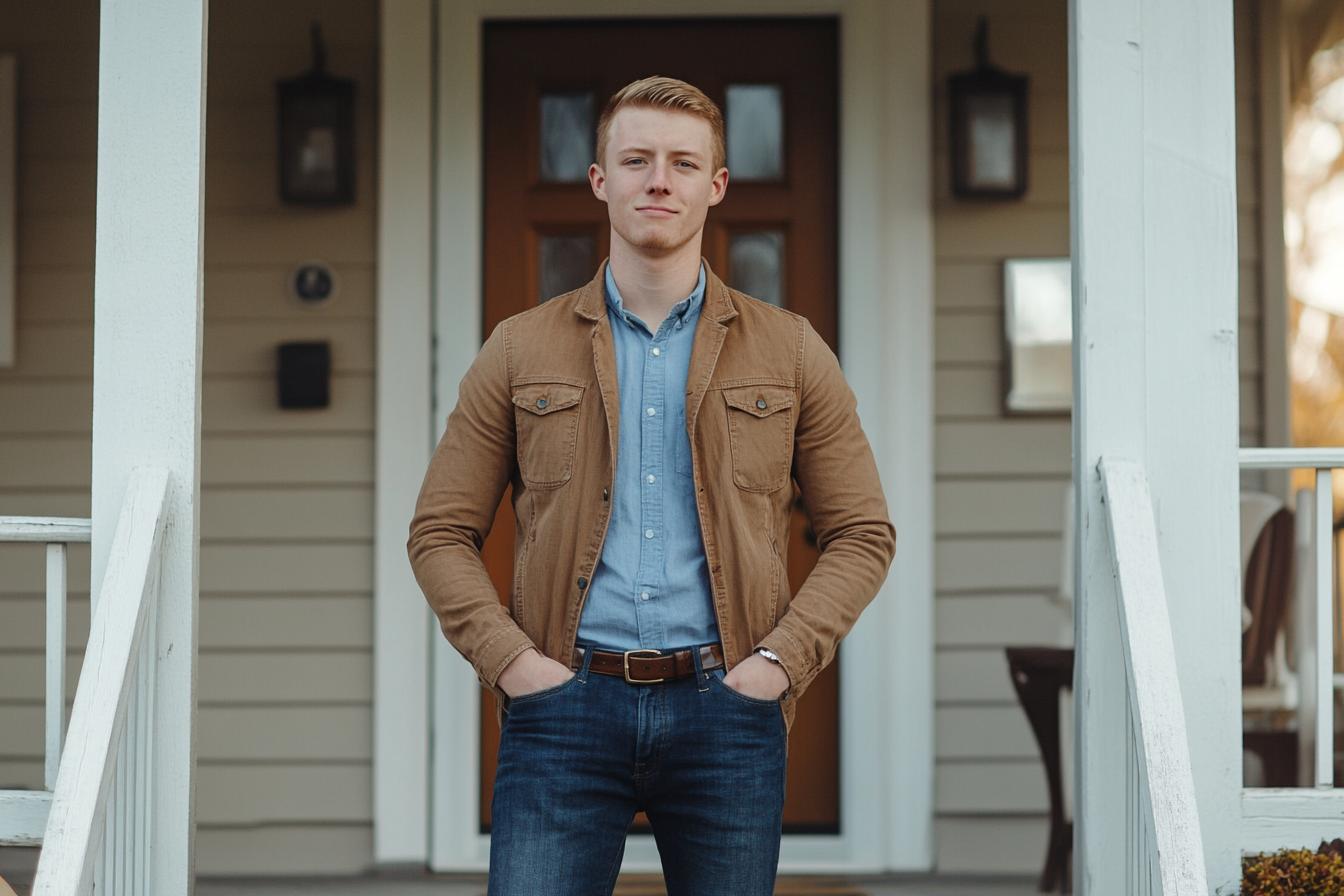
(285, 679)
(999, 480)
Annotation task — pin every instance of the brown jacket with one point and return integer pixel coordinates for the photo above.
(765, 404)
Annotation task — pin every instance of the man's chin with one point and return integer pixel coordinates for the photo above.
(656, 241)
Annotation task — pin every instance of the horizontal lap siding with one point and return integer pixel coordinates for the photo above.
(285, 740)
(1000, 481)
(285, 675)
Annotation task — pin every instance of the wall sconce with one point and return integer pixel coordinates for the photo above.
(317, 134)
(989, 128)
(1038, 327)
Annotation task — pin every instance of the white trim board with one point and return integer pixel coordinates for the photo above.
(886, 298)
(402, 622)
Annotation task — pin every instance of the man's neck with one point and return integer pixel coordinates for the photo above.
(651, 284)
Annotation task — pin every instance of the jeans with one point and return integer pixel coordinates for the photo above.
(577, 761)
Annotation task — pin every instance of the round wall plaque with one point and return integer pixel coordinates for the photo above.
(313, 283)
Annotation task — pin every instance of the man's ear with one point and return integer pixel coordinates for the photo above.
(719, 188)
(598, 180)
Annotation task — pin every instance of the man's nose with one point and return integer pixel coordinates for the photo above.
(660, 180)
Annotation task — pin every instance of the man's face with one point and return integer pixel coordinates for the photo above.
(657, 178)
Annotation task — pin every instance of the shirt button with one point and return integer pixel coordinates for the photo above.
(643, 595)
(541, 402)
(760, 403)
(651, 412)
(656, 353)
(648, 533)
(651, 479)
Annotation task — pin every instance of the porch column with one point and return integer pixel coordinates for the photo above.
(1155, 315)
(147, 353)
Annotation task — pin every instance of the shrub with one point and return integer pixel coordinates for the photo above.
(1295, 872)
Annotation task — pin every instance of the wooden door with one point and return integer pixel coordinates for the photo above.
(773, 236)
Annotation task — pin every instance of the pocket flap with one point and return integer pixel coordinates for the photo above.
(546, 398)
(759, 401)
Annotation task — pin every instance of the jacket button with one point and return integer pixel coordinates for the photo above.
(541, 402)
(583, 583)
(760, 403)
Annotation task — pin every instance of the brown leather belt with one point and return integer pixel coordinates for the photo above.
(650, 666)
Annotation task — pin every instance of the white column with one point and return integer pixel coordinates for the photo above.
(147, 350)
(402, 620)
(1155, 267)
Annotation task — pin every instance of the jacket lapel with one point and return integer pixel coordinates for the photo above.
(592, 306)
(710, 332)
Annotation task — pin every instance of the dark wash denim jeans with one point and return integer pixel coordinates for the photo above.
(577, 761)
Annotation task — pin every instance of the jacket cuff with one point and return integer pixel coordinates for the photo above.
(797, 664)
(498, 653)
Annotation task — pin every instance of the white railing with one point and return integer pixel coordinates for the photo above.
(23, 813)
(1274, 818)
(1164, 846)
(98, 834)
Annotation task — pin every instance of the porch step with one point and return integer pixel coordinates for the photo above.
(652, 885)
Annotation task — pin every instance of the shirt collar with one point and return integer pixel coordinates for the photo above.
(680, 312)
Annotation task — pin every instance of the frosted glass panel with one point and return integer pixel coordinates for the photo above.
(755, 131)
(756, 265)
(564, 263)
(993, 151)
(567, 135)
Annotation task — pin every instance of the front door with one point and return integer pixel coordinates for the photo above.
(773, 237)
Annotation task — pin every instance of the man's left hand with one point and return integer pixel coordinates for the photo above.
(758, 678)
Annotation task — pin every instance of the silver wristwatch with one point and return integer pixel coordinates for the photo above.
(769, 654)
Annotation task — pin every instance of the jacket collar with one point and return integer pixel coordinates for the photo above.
(718, 305)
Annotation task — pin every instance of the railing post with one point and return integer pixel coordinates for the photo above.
(55, 651)
(1324, 631)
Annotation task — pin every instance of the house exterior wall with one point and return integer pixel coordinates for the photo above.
(284, 739)
(285, 680)
(1000, 480)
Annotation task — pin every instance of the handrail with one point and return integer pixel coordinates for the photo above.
(23, 814)
(78, 847)
(1169, 821)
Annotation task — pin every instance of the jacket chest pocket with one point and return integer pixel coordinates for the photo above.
(547, 419)
(760, 429)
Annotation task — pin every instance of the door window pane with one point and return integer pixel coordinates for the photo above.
(564, 262)
(755, 131)
(567, 135)
(756, 265)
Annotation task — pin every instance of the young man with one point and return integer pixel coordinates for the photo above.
(652, 425)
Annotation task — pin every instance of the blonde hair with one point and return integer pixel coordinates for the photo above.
(664, 93)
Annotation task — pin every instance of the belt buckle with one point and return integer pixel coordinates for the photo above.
(625, 662)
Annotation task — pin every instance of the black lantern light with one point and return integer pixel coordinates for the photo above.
(989, 128)
(317, 134)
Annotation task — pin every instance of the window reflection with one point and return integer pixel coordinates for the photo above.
(567, 135)
(1038, 320)
(564, 262)
(756, 265)
(755, 131)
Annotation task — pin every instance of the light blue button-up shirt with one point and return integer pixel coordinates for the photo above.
(651, 586)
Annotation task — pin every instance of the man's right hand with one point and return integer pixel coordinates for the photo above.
(530, 672)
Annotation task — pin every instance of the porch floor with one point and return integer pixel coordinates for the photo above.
(17, 866)
(629, 885)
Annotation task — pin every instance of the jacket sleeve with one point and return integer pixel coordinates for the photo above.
(835, 469)
(467, 475)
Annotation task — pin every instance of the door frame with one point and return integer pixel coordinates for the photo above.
(886, 349)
